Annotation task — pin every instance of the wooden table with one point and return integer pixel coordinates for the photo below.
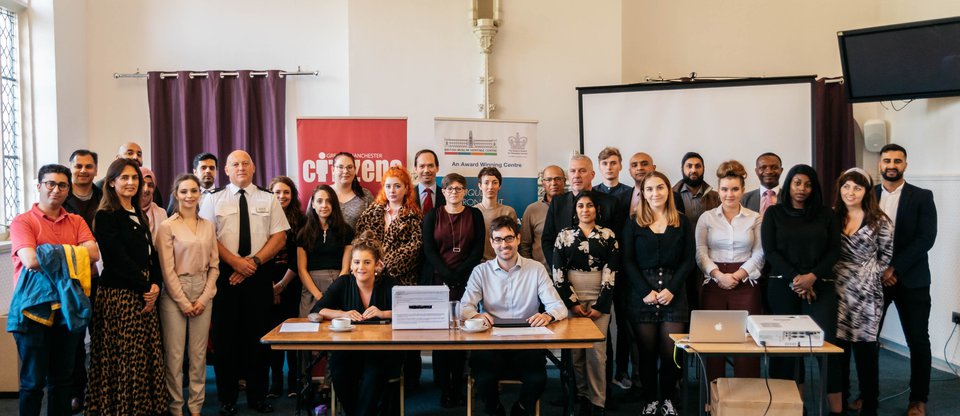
(571, 333)
(750, 347)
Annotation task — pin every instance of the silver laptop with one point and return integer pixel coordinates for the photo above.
(718, 326)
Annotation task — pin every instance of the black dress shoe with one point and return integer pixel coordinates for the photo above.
(262, 407)
(599, 411)
(228, 409)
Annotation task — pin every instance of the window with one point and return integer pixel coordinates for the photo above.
(12, 149)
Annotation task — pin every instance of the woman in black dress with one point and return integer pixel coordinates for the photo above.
(801, 241)
(286, 283)
(658, 252)
(127, 373)
(453, 246)
(360, 376)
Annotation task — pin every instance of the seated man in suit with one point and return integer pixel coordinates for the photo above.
(769, 167)
(510, 287)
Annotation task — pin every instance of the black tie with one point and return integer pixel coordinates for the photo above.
(244, 249)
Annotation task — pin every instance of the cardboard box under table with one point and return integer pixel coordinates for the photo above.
(749, 396)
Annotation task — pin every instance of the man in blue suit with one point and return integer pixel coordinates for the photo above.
(907, 281)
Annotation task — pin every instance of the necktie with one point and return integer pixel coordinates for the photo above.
(427, 200)
(243, 250)
(769, 198)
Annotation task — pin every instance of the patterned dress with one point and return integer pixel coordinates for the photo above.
(401, 242)
(355, 206)
(863, 258)
(596, 252)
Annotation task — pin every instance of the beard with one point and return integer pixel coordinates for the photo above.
(892, 177)
(693, 183)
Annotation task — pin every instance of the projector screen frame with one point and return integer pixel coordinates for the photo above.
(707, 83)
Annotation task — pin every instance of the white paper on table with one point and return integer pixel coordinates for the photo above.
(421, 307)
(300, 327)
(503, 332)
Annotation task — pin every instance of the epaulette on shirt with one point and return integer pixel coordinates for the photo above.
(263, 189)
(218, 189)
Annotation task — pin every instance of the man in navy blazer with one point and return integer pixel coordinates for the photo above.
(907, 281)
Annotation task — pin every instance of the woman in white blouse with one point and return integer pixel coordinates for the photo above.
(730, 255)
(187, 246)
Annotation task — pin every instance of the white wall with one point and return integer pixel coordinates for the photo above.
(420, 59)
(124, 35)
(761, 38)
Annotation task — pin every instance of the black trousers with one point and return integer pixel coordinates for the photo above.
(448, 369)
(289, 307)
(823, 311)
(867, 356)
(491, 366)
(913, 307)
(241, 316)
(360, 378)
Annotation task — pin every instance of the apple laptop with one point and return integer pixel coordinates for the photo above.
(718, 326)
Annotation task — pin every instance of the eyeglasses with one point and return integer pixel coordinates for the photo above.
(553, 179)
(455, 189)
(508, 239)
(344, 167)
(54, 184)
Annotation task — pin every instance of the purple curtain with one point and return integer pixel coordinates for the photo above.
(833, 146)
(191, 115)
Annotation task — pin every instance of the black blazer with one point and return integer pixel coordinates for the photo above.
(562, 211)
(455, 278)
(751, 200)
(440, 200)
(915, 232)
(129, 259)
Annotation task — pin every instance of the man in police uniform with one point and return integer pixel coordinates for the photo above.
(250, 228)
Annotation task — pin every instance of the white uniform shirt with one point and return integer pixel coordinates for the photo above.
(222, 208)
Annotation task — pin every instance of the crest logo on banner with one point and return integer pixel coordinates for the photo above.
(376, 144)
(473, 144)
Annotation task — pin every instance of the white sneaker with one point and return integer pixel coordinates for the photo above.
(623, 383)
(667, 408)
(651, 408)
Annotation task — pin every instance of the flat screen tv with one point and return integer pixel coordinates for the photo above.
(904, 61)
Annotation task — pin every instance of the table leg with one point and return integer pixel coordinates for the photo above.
(823, 382)
(701, 387)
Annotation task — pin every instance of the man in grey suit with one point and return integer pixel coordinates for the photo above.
(769, 167)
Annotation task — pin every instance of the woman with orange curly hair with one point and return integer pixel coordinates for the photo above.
(395, 220)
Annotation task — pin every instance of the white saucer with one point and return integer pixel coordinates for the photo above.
(481, 329)
(347, 329)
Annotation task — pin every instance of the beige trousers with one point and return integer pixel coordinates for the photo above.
(589, 365)
(178, 330)
(321, 278)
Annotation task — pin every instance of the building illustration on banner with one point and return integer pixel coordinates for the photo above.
(469, 146)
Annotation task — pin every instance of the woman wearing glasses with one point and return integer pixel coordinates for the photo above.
(453, 246)
(353, 197)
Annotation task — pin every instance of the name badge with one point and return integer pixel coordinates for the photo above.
(263, 210)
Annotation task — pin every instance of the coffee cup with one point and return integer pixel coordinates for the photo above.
(340, 323)
(473, 324)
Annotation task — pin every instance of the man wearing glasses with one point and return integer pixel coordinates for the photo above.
(47, 353)
(510, 287)
(427, 165)
(554, 181)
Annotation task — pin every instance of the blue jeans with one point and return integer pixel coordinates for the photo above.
(47, 356)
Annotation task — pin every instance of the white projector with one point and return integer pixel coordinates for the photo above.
(785, 330)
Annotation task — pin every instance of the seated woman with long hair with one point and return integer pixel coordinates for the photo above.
(361, 376)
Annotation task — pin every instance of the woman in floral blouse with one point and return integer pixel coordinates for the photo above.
(584, 259)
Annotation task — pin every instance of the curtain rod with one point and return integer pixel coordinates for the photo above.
(139, 74)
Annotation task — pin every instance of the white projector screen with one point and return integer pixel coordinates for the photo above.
(721, 120)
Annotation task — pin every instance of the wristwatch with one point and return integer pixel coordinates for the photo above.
(256, 260)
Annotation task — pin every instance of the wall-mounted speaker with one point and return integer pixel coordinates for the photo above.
(874, 135)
